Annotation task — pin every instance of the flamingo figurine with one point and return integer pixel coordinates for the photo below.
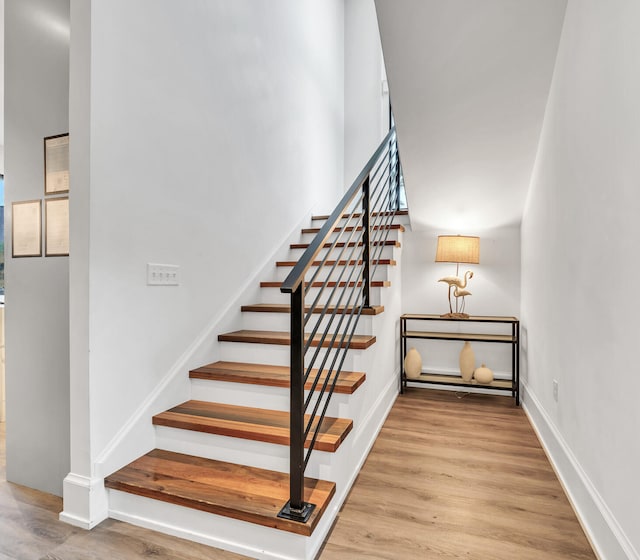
(459, 284)
(458, 293)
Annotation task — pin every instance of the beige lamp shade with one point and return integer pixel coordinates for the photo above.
(458, 249)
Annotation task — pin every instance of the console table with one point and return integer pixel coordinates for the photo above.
(419, 325)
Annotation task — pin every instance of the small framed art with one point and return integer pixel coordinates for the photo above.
(56, 237)
(56, 164)
(26, 229)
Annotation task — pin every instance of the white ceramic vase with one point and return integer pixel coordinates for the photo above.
(483, 375)
(467, 362)
(413, 364)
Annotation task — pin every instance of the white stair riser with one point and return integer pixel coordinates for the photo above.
(274, 295)
(339, 274)
(257, 454)
(384, 252)
(260, 396)
(347, 236)
(404, 220)
(250, 540)
(281, 322)
(279, 355)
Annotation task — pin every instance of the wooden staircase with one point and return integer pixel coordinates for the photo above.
(246, 492)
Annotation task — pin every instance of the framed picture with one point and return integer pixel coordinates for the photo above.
(56, 237)
(56, 164)
(26, 229)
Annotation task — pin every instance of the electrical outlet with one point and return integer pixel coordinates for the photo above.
(555, 390)
(163, 275)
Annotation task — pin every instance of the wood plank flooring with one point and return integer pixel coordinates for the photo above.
(457, 478)
(30, 530)
(447, 478)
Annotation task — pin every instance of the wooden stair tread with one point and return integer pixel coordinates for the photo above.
(374, 262)
(358, 342)
(398, 227)
(320, 284)
(387, 243)
(286, 308)
(237, 491)
(258, 424)
(358, 214)
(270, 375)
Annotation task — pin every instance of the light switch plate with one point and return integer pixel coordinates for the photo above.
(163, 274)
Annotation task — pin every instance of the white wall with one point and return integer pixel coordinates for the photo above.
(37, 289)
(2, 391)
(3, 403)
(495, 289)
(208, 131)
(366, 104)
(579, 243)
(1, 86)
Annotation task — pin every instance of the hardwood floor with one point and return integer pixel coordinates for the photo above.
(447, 478)
(457, 478)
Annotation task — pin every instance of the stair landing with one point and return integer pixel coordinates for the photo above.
(237, 491)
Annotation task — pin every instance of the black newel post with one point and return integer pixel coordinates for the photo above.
(297, 509)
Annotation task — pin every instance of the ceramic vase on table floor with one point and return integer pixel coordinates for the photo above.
(413, 364)
(483, 375)
(467, 362)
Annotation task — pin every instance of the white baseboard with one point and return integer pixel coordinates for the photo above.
(601, 527)
(240, 537)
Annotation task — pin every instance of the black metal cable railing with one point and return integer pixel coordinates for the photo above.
(353, 239)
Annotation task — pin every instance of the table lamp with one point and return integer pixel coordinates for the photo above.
(458, 249)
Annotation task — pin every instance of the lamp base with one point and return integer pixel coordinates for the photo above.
(455, 316)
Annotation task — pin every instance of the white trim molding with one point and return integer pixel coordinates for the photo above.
(85, 501)
(600, 525)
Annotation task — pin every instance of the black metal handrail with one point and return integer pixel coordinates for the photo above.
(344, 281)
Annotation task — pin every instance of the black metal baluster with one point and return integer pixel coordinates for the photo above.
(366, 278)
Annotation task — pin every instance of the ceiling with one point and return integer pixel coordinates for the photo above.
(469, 81)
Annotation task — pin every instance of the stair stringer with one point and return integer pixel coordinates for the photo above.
(368, 408)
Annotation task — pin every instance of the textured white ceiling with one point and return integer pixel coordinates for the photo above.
(469, 81)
